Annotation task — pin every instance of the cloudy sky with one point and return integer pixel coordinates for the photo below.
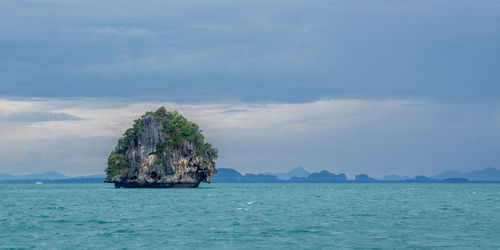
(378, 87)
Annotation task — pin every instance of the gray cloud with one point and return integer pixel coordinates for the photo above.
(38, 116)
(73, 156)
(234, 110)
(120, 32)
(252, 51)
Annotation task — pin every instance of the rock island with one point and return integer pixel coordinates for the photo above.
(161, 150)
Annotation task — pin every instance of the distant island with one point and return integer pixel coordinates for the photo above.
(228, 175)
(161, 150)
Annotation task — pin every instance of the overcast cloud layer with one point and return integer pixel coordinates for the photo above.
(289, 51)
(377, 87)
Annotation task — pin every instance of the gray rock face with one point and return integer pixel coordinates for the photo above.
(147, 167)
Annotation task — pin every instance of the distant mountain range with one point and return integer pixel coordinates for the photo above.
(488, 174)
(228, 175)
(321, 177)
(394, 177)
(296, 175)
(296, 172)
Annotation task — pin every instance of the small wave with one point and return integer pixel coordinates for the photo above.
(124, 231)
(98, 221)
(56, 208)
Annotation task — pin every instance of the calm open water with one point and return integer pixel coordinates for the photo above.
(236, 216)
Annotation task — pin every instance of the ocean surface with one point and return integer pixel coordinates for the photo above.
(249, 216)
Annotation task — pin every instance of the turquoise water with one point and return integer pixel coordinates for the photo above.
(236, 216)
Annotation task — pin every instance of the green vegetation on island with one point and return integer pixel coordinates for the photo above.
(177, 130)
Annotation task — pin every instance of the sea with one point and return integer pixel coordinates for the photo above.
(251, 216)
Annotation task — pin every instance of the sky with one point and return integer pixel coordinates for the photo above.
(350, 86)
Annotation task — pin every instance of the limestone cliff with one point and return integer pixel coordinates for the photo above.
(162, 149)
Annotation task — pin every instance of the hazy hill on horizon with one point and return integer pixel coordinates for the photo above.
(232, 175)
(487, 174)
(394, 177)
(296, 172)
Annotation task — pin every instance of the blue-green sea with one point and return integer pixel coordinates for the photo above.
(249, 216)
